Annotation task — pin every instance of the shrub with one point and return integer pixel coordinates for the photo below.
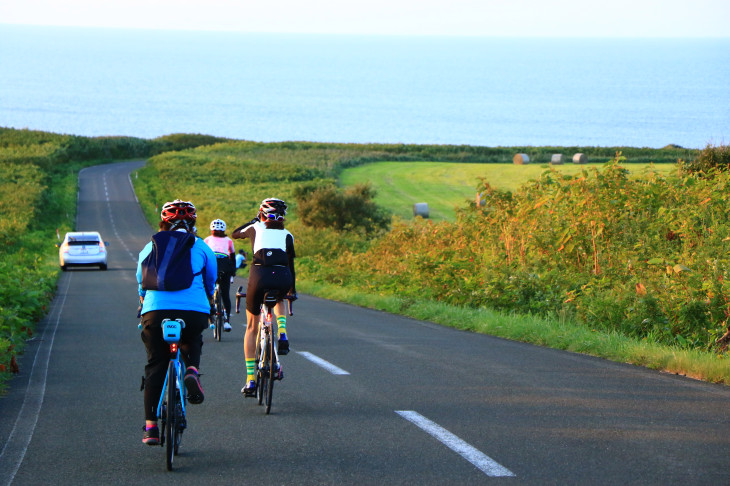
(326, 206)
(647, 257)
(711, 157)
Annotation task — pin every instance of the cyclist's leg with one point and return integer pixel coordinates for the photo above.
(249, 348)
(282, 336)
(191, 344)
(158, 355)
(225, 288)
(254, 297)
(282, 280)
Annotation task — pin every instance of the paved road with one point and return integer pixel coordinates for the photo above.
(368, 397)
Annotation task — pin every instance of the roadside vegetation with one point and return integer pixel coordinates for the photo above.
(621, 259)
(38, 183)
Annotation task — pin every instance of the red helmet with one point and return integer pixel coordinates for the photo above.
(178, 210)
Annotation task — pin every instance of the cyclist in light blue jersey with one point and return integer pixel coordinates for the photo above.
(191, 304)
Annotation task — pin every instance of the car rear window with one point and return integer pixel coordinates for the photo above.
(82, 242)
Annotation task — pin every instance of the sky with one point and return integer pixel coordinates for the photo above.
(514, 18)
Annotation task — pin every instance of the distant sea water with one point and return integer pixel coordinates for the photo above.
(357, 89)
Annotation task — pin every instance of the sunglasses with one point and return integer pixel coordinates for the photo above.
(190, 212)
(275, 217)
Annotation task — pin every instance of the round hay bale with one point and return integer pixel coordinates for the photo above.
(520, 159)
(556, 159)
(420, 209)
(580, 159)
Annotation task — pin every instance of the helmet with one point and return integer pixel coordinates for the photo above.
(273, 208)
(217, 225)
(178, 211)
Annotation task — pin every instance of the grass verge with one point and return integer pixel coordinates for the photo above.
(552, 333)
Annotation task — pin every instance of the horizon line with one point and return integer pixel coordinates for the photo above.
(357, 34)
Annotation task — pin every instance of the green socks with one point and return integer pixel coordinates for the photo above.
(250, 370)
(281, 324)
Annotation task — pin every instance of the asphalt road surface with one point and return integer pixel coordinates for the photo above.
(368, 398)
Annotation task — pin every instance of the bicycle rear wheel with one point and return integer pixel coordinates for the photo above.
(218, 315)
(179, 422)
(271, 372)
(171, 421)
(262, 376)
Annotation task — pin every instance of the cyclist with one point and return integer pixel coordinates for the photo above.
(272, 267)
(191, 304)
(225, 255)
(241, 259)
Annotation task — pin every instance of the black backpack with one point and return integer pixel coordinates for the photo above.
(168, 266)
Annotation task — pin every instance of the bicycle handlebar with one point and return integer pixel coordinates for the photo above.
(240, 293)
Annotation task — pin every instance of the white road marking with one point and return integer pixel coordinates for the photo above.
(134, 193)
(483, 462)
(111, 220)
(323, 363)
(18, 441)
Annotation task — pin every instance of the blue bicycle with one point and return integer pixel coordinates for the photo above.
(171, 409)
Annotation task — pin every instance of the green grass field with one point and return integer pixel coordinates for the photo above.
(445, 186)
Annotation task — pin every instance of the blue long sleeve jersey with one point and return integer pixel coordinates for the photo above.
(194, 298)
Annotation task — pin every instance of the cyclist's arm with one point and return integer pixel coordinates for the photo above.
(232, 255)
(290, 252)
(240, 232)
(142, 255)
(210, 271)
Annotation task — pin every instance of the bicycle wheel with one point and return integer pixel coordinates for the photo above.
(218, 315)
(262, 376)
(171, 422)
(271, 372)
(179, 422)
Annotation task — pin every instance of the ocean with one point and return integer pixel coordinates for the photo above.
(358, 89)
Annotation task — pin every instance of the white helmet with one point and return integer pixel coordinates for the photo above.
(218, 225)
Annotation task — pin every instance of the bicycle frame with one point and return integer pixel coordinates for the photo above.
(267, 355)
(267, 364)
(267, 331)
(171, 333)
(220, 313)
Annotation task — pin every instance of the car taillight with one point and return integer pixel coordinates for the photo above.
(101, 247)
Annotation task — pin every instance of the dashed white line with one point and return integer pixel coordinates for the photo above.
(111, 219)
(483, 462)
(323, 363)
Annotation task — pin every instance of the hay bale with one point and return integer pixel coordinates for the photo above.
(420, 209)
(521, 159)
(580, 159)
(556, 159)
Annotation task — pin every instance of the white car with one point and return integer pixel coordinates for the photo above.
(82, 248)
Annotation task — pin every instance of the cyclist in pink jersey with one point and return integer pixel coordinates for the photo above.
(225, 255)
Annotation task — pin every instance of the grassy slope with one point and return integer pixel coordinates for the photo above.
(445, 186)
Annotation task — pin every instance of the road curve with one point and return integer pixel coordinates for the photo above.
(368, 397)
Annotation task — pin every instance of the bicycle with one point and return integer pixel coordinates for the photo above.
(171, 408)
(268, 368)
(219, 313)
